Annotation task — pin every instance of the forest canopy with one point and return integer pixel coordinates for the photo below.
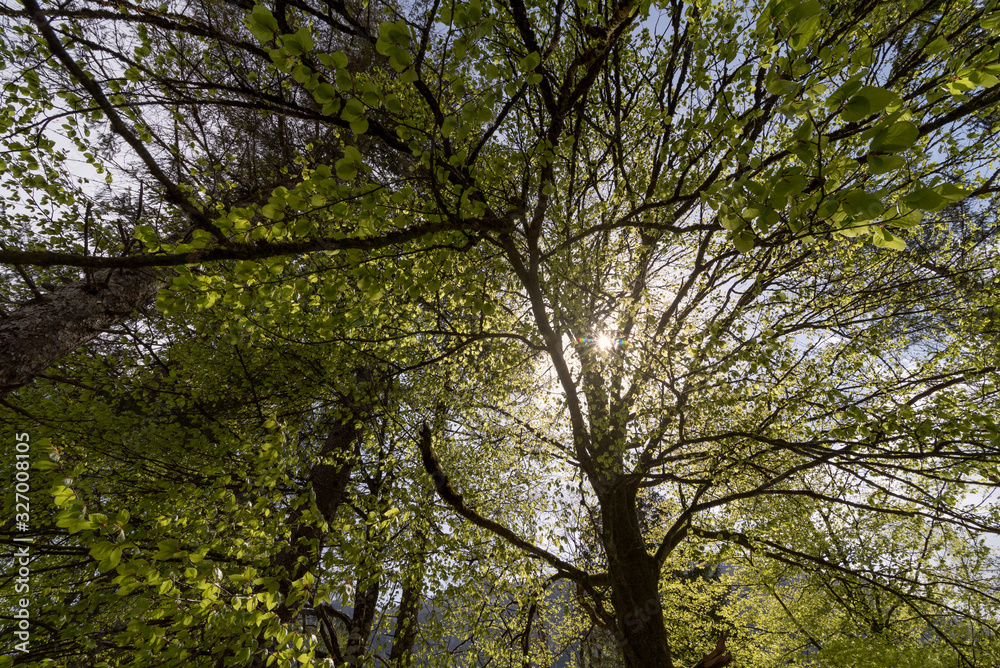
(500, 333)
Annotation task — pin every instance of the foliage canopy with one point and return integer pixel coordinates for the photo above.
(491, 333)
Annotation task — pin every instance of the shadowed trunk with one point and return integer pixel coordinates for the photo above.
(329, 481)
(329, 485)
(635, 578)
(365, 606)
(405, 635)
(44, 330)
(301, 554)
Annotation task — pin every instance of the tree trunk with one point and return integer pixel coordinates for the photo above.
(365, 606)
(330, 481)
(329, 485)
(634, 582)
(405, 635)
(46, 329)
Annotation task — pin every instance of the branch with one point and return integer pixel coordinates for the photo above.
(328, 632)
(455, 500)
(247, 252)
(172, 191)
(718, 657)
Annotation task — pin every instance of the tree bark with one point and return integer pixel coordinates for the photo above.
(365, 606)
(720, 657)
(45, 329)
(330, 486)
(405, 634)
(635, 579)
(330, 480)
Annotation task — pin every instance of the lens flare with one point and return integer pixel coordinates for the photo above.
(603, 341)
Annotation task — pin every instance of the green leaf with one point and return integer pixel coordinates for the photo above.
(383, 46)
(345, 82)
(334, 61)
(732, 222)
(937, 46)
(804, 32)
(846, 90)
(789, 184)
(392, 104)
(262, 24)
(399, 59)
(353, 109)
(261, 34)
(925, 198)
(301, 73)
(856, 109)
(798, 12)
(952, 193)
(935, 199)
(448, 126)
(530, 62)
(475, 11)
(331, 108)
(743, 241)
(899, 136)
(904, 218)
(353, 154)
(299, 43)
(101, 550)
(882, 238)
(782, 87)
(346, 169)
(867, 101)
(399, 32)
(862, 205)
(883, 164)
(324, 93)
(851, 229)
(166, 549)
(75, 524)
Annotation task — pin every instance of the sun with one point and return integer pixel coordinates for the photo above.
(604, 342)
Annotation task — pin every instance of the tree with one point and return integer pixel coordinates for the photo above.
(745, 280)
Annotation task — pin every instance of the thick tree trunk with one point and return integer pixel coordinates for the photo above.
(365, 606)
(634, 583)
(330, 480)
(405, 635)
(296, 558)
(46, 329)
(330, 486)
